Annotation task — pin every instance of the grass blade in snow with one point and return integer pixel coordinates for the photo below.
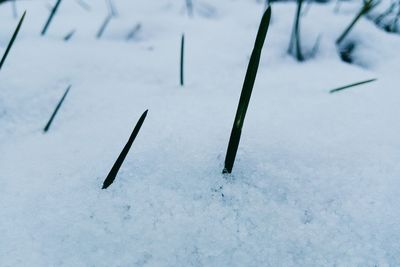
(47, 127)
(350, 85)
(246, 92)
(189, 7)
(104, 26)
(69, 35)
(133, 33)
(114, 170)
(111, 14)
(182, 58)
(10, 44)
(14, 9)
(52, 13)
(364, 10)
(295, 46)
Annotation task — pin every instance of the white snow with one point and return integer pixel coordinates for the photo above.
(316, 179)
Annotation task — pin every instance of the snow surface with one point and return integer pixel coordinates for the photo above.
(316, 179)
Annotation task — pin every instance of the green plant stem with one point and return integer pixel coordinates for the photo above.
(52, 13)
(117, 165)
(104, 26)
(246, 92)
(182, 60)
(351, 85)
(47, 127)
(365, 9)
(295, 45)
(10, 44)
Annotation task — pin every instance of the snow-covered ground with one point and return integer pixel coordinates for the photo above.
(317, 176)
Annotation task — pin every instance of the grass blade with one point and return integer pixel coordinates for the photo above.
(246, 92)
(117, 165)
(133, 33)
(47, 127)
(103, 26)
(69, 35)
(189, 7)
(295, 46)
(351, 85)
(182, 58)
(111, 9)
(368, 5)
(14, 9)
(10, 44)
(52, 13)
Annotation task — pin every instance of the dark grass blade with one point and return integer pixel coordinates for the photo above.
(52, 13)
(69, 35)
(10, 44)
(182, 59)
(117, 165)
(246, 92)
(387, 12)
(104, 26)
(294, 45)
(47, 127)
(132, 34)
(368, 5)
(351, 85)
(112, 12)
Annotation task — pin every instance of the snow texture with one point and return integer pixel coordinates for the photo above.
(316, 179)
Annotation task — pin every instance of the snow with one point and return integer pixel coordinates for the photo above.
(316, 176)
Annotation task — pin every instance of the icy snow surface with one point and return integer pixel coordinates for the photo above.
(317, 176)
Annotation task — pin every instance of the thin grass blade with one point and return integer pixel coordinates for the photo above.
(52, 13)
(351, 85)
(104, 26)
(182, 59)
(295, 45)
(69, 35)
(133, 33)
(111, 9)
(47, 127)
(246, 92)
(117, 165)
(10, 44)
(368, 5)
